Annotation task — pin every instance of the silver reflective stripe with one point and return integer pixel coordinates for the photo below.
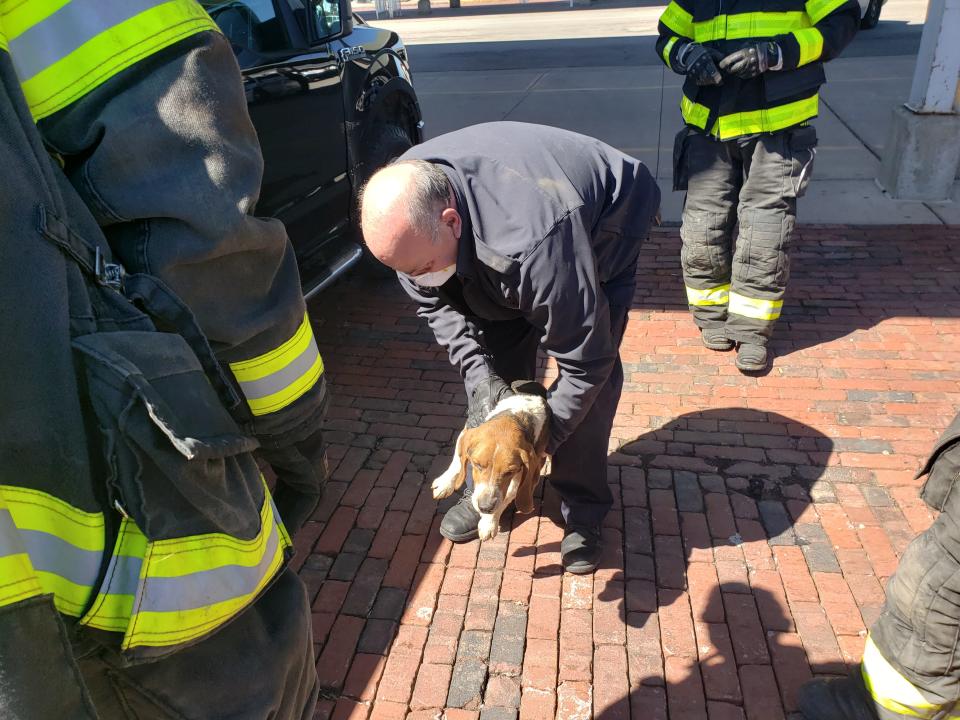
(48, 553)
(76, 23)
(282, 379)
(189, 592)
(10, 542)
(123, 575)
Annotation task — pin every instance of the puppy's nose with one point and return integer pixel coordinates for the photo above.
(488, 502)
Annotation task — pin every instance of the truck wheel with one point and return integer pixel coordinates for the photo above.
(872, 16)
(392, 142)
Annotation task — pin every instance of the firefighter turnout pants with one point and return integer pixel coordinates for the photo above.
(911, 662)
(755, 180)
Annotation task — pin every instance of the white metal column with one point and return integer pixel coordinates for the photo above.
(923, 152)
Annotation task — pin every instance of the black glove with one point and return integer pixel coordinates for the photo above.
(700, 63)
(486, 395)
(302, 471)
(752, 60)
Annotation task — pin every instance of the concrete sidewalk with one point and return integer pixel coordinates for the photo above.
(756, 519)
(637, 110)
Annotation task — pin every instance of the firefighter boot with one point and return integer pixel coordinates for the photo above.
(715, 339)
(838, 699)
(751, 357)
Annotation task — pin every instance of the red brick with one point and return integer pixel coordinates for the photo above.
(649, 703)
(361, 682)
(336, 531)
(577, 591)
(457, 581)
(685, 697)
(838, 602)
(350, 710)
(611, 699)
(464, 555)
(574, 701)
(359, 488)
(324, 711)
(540, 665)
(761, 699)
(851, 649)
(881, 553)
(388, 535)
(576, 646)
(460, 714)
(717, 662)
(771, 600)
(516, 587)
(502, 691)
(819, 642)
(756, 551)
(386, 710)
(696, 537)
(544, 618)
(338, 651)
(676, 625)
(322, 622)
(406, 557)
(536, 704)
(795, 575)
(331, 596)
(663, 509)
(423, 598)
(644, 655)
(704, 592)
(724, 711)
(719, 516)
(746, 632)
(430, 690)
(396, 683)
(790, 666)
(670, 562)
(609, 614)
(838, 527)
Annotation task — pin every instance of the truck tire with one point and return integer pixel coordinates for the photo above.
(392, 141)
(872, 16)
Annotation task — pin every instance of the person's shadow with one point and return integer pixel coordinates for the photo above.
(709, 516)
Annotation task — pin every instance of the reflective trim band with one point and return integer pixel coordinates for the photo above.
(753, 308)
(819, 9)
(17, 16)
(172, 591)
(272, 381)
(667, 48)
(702, 297)
(890, 689)
(678, 20)
(749, 25)
(752, 121)
(64, 545)
(17, 578)
(811, 45)
(67, 53)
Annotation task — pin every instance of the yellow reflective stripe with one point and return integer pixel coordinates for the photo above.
(35, 510)
(890, 689)
(166, 628)
(811, 45)
(16, 16)
(701, 297)
(755, 308)
(17, 579)
(113, 50)
(667, 48)
(749, 25)
(69, 597)
(752, 121)
(275, 379)
(678, 20)
(819, 9)
(111, 610)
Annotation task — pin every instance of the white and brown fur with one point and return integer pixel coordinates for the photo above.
(508, 455)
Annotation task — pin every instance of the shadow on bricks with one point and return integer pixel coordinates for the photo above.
(749, 665)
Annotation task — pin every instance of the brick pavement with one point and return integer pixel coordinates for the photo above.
(756, 519)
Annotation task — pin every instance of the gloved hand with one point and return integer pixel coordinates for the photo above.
(302, 471)
(752, 60)
(485, 397)
(700, 63)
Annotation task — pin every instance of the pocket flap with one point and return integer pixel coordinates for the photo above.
(163, 372)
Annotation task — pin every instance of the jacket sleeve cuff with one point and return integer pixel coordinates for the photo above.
(800, 47)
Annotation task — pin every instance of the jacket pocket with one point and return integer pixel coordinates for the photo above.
(200, 539)
(802, 150)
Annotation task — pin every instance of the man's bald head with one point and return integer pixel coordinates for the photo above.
(404, 210)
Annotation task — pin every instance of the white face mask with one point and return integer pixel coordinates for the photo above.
(436, 278)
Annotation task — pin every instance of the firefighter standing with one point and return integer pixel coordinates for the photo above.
(909, 667)
(746, 152)
(154, 334)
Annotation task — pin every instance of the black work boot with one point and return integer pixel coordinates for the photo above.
(715, 339)
(581, 548)
(838, 699)
(751, 357)
(459, 524)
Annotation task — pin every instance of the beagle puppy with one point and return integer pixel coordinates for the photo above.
(508, 455)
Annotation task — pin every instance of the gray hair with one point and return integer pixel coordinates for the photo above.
(429, 195)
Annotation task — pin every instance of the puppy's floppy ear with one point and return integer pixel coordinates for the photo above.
(529, 478)
(464, 445)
